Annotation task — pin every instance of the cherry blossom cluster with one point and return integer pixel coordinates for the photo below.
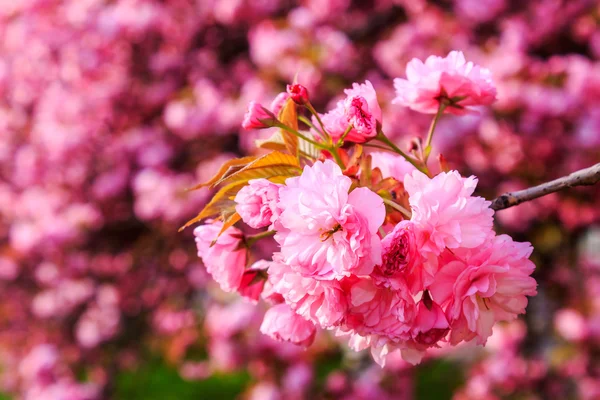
(110, 108)
(390, 274)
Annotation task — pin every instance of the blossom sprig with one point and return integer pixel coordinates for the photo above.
(371, 245)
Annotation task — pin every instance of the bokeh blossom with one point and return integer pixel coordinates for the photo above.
(452, 80)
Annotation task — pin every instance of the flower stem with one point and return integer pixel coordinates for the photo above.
(317, 116)
(250, 240)
(308, 122)
(377, 147)
(437, 117)
(337, 158)
(346, 132)
(397, 207)
(301, 136)
(382, 138)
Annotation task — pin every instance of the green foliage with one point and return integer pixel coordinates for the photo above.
(437, 379)
(158, 381)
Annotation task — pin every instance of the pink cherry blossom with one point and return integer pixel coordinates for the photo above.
(258, 117)
(460, 84)
(320, 301)
(356, 110)
(226, 259)
(282, 323)
(360, 110)
(483, 285)
(401, 260)
(324, 231)
(430, 324)
(257, 203)
(446, 213)
(380, 311)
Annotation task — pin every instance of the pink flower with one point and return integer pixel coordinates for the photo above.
(446, 213)
(39, 363)
(430, 324)
(325, 232)
(298, 93)
(481, 286)
(356, 110)
(571, 325)
(258, 117)
(391, 165)
(257, 203)
(380, 311)
(322, 302)
(360, 110)
(460, 84)
(282, 323)
(401, 260)
(225, 260)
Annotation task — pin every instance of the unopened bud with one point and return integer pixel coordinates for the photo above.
(298, 93)
(258, 117)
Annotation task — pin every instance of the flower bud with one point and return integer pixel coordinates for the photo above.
(258, 117)
(298, 93)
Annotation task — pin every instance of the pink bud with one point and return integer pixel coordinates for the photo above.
(258, 117)
(253, 281)
(298, 93)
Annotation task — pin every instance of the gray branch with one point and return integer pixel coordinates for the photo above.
(583, 177)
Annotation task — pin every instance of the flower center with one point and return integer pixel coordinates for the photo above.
(327, 234)
(396, 257)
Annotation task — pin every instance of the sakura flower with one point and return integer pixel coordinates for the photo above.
(356, 110)
(360, 111)
(401, 261)
(459, 84)
(481, 286)
(320, 301)
(430, 324)
(282, 323)
(380, 311)
(446, 213)
(258, 117)
(325, 232)
(257, 203)
(225, 260)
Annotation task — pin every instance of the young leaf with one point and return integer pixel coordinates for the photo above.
(273, 164)
(289, 116)
(221, 202)
(228, 221)
(229, 168)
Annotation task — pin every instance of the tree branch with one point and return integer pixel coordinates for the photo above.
(584, 177)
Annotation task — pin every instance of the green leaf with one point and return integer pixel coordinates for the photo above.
(227, 169)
